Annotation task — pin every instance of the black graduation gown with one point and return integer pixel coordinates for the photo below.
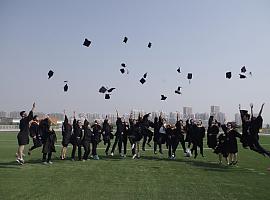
(212, 133)
(221, 145)
(66, 132)
(96, 135)
(35, 134)
(232, 141)
(76, 137)
(23, 135)
(106, 132)
(50, 140)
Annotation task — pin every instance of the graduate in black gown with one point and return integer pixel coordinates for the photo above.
(137, 131)
(232, 148)
(132, 134)
(197, 138)
(147, 133)
(118, 136)
(107, 134)
(212, 132)
(96, 138)
(23, 135)
(221, 148)
(49, 140)
(246, 136)
(76, 138)
(86, 140)
(157, 125)
(170, 137)
(254, 129)
(179, 129)
(66, 136)
(35, 134)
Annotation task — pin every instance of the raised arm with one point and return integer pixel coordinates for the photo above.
(260, 113)
(251, 110)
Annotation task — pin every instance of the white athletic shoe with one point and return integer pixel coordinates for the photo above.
(134, 156)
(50, 162)
(133, 146)
(112, 154)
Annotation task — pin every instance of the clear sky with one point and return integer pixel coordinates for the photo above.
(206, 38)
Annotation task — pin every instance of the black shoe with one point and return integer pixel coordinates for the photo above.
(149, 144)
(143, 149)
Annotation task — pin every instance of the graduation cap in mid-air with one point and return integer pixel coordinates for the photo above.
(178, 91)
(143, 79)
(149, 45)
(66, 88)
(243, 69)
(242, 76)
(125, 40)
(111, 89)
(102, 89)
(86, 42)
(124, 68)
(178, 70)
(163, 98)
(50, 74)
(107, 96)
(228, 75)
(189, 76)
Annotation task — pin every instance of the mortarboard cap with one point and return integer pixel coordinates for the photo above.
(107, 96)
(111, 89)
(50, 74)
(178, 70)
(178, 91)
(163, 98)
(122, 70)
(123, 64)
(142, 80)
(242, 76)
(189, 76)
(66, 88)
(102, 89)
(243, 69)
(86, 42)
(125, 40)
(149, 45)
(229, 75)
(145, 75)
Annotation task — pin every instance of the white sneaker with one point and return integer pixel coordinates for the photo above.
(133, 146)
(112, 154)
(45, 163)
(134, 156)
(50, 162)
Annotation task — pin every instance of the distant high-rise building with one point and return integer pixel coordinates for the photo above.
(221, 117)
(3, 114)
(187, 112)
(214, 110)
(15, 115)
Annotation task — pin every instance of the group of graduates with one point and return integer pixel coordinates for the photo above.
(81, 134)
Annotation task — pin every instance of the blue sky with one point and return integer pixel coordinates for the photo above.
(206, 38)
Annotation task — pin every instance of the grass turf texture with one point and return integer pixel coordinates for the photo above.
(151, 177)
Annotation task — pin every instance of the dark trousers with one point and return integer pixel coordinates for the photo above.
(37, 143)
(117, 141)
(157, 145)
(183, 144)
(170, 149)
(124, 140)
(49, 157)
(74, 148)
(195, 148)
(148, 134)
(86, 147)
(94, 148)
(108, 146)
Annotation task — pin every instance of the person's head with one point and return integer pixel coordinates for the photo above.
(79, 122)
(229, 125)
(35, 118)
(199, 123)
(191, 121)
(23, 114)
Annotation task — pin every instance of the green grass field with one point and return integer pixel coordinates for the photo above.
(151, 177)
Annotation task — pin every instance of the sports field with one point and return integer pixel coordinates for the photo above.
(151, 177)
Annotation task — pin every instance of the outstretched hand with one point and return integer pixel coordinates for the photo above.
(251, 105)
